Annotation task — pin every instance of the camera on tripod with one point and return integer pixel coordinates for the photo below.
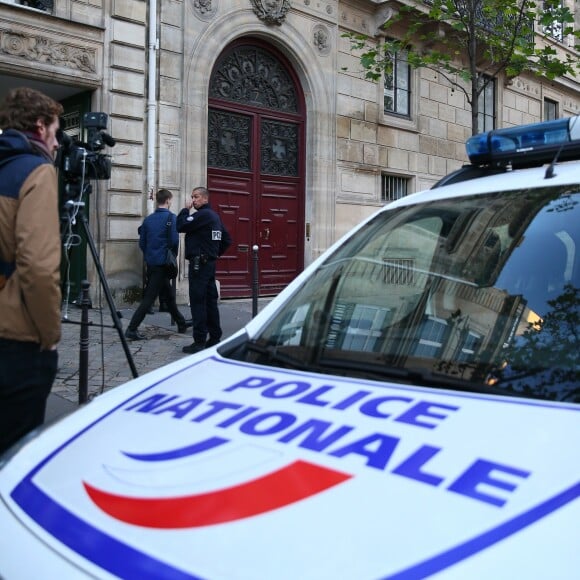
(79, 161)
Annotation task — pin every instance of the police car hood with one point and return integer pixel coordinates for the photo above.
(210, 468)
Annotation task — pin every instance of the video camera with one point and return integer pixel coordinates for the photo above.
(79, 161)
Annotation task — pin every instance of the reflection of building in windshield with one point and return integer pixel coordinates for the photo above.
(454, 284)
(482, 237)
(537, 269)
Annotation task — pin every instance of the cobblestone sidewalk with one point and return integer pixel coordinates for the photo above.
(108, 364)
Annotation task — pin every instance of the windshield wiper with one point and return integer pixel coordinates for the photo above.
(403, 375)
(371, 371)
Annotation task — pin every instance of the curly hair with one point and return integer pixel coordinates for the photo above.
(23, 107)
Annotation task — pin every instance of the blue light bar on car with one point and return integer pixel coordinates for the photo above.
(526, 144)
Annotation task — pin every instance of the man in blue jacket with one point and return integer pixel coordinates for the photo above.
(206, 239)
(156, 235)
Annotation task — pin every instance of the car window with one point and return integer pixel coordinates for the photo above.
(479, 291)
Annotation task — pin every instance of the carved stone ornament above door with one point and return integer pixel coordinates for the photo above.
(47, 51)
(271, 11)
(205, 9)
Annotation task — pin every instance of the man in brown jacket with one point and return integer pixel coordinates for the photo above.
(29, 260)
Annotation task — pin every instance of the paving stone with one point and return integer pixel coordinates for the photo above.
(108, 364)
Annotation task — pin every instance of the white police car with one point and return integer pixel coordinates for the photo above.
(407, 408)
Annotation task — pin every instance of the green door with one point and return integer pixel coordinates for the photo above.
(74, 243)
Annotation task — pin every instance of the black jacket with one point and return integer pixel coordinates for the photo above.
(204, 233)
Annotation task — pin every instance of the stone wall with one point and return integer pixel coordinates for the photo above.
(124, 97)
(431, 143)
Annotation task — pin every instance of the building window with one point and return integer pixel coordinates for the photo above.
(469, 348)
(486, 107)
(431, 337)
(44, 5)
(397, 90)
(357, 327)
(556, 29)
(550, 110)
(393, 187)
(399, 271)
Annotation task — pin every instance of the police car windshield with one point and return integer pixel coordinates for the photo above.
(483, 290)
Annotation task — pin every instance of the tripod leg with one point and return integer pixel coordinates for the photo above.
(108, 296)
(84, 345)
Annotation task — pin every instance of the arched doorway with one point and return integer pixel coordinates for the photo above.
(255, 152)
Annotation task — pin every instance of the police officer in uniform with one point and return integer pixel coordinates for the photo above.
(206, 239)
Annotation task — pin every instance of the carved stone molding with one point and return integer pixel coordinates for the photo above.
(572, 106)
(321, 9)
(205, 9)
(321, 39)
(169, 170)
(271, 11)
(524, 87)
(357, 22)
(45, 50)
(383, 14)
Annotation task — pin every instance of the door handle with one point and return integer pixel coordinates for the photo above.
(266, 234)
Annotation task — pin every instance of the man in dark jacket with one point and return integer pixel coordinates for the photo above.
(206, 239)
(29, 260)
(157, 233)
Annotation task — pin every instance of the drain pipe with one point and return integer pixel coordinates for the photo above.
(152, 105)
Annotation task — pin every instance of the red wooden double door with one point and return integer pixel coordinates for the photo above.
(255, 151)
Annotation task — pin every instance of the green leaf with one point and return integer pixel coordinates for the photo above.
(478, 35)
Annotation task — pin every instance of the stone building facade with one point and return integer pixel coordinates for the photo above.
(261, 100)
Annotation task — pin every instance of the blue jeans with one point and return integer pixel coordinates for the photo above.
(203, 300)
(26, 377)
